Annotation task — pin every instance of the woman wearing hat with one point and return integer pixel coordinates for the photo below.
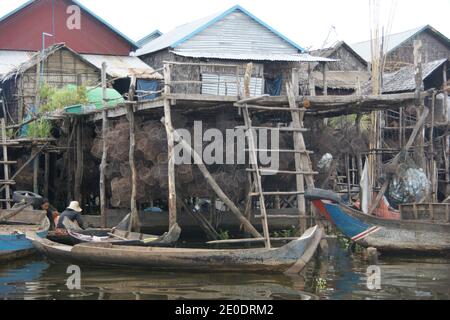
(73, 213)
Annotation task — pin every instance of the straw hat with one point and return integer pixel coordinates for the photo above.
(75, 206)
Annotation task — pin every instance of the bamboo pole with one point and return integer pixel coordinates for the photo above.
(105, 124)
(170, 148)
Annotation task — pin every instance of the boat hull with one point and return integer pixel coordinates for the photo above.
(386, 235)
(289, 259)
(17, 246)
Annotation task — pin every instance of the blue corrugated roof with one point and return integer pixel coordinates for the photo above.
(120, 34)
(185, 32)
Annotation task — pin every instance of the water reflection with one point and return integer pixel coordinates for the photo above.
(339, 276)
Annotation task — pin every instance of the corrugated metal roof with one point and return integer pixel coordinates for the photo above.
(404, 79)
(147, 39)
(185, 32)
(303, 57)
(11, 60)
(329, 52)
(16, 62)
(342, 79)
(122, 67)
(392, 41)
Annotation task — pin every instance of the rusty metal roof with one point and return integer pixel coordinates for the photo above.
(123, 66)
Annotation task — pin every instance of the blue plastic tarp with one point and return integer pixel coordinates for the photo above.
(149, 86)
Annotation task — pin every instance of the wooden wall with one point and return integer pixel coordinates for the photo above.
(60, 69)
(433, 49)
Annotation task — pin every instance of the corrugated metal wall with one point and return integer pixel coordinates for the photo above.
(237, 33)
(225, 85)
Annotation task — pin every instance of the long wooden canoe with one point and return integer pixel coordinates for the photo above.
(13, 242)
(125, 238)
(291, 258)
(425, 236)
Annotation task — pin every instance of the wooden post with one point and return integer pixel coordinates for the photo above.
(79, 161)
(36, 175)
(325, 80)
(6, 165)
(37, 98)
(105, 124)
(446, 145)
(432, 163)
(297, 124)
(135, 223)
(46, 174)
(170, 148)
(419, 100)
(311, 82)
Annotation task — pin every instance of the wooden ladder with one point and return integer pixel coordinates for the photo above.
(6, 182)
(303, 170)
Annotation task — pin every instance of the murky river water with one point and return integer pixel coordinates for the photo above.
(340, 276)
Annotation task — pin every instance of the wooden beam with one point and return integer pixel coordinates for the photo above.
(105, 128)
(6, 165)
(170, 148)
(79, 161)
(204, 224)
(36, 175)
(418, 70)
(325, 80)
(135, 224)
(216, 188)
(46, 174)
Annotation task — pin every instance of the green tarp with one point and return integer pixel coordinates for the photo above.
(95, 97)
(95, 100)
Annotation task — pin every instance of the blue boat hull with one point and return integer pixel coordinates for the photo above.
(13, 246)
(384, 234)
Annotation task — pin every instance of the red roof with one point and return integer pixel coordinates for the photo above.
(22, 29)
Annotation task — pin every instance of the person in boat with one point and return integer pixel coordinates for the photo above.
(73, 213)
(52, 213)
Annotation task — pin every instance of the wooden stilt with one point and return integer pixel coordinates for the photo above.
(36, 175)
(46, 174)
(206, 226)
(325, 80)
(79, 161)
(135, 223)
(105, 127)
(170, 148)
(420, 154)
(6, 165)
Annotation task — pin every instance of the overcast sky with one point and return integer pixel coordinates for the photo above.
(306, 22)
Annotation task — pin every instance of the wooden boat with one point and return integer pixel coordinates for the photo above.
(125, 238)
(429, 235)
(13, 227)
(117, 236)
(291, 258)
